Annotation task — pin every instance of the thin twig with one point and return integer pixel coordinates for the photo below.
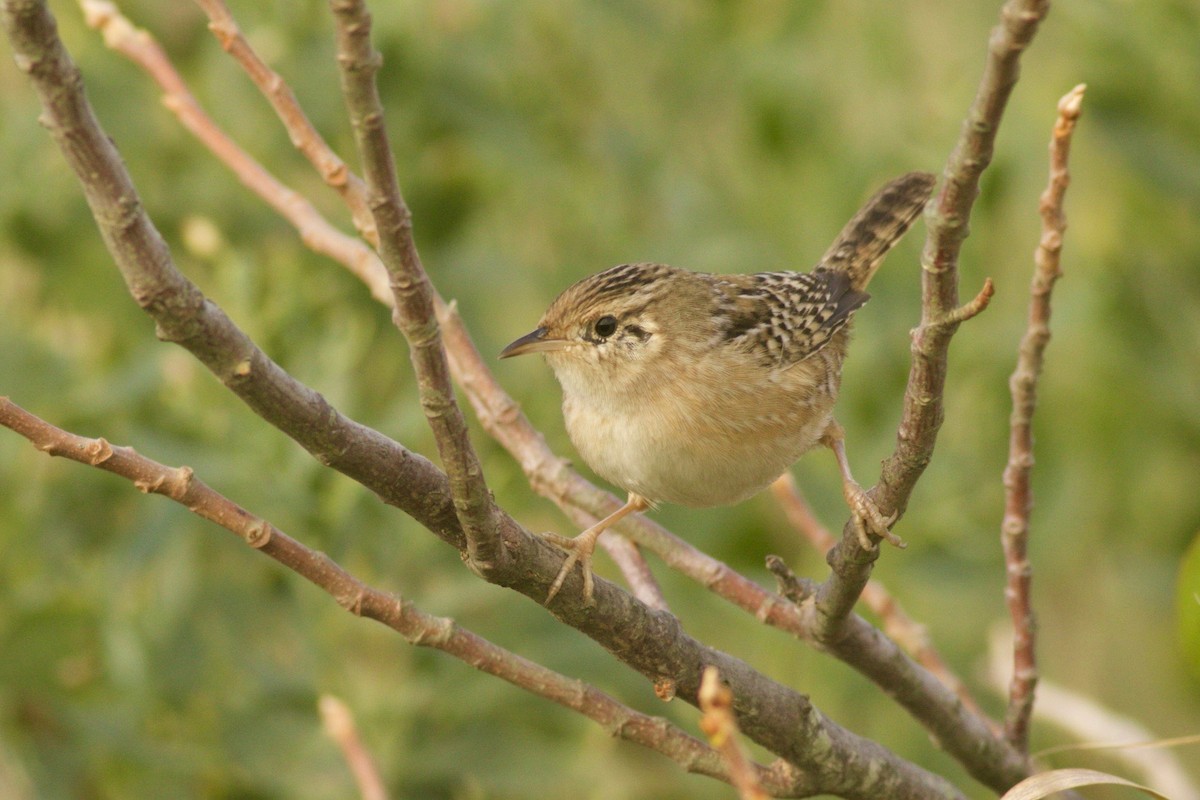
(413, 312)
(417, 627)
(1018, 493)
(946, 224)
(339, 724)
(720, 726)
(973, 307)
(329, 166)
(318, 234)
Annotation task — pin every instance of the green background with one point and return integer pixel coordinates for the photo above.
(144, 652)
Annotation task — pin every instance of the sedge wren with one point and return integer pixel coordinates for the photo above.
(701, 389)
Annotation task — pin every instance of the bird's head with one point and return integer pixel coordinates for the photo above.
(617, 329)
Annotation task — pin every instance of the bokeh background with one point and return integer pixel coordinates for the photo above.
(146, 653)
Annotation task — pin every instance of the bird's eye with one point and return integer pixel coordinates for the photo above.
(606, 326)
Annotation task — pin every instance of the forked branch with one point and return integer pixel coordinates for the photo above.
(305, 138)
(413, 294)
(897, 624)
(946, 225)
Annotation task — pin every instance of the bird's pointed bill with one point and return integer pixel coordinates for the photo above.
(533, 342)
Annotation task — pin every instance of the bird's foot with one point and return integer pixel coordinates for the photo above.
(582, 546)
(579, 549)
(868, 519)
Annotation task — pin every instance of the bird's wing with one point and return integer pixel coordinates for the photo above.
(785, 317)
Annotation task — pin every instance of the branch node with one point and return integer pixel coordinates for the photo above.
(794, 588)
(258, 534)
(177, 482)
(435, 632)
(99, 451)
(352, 600)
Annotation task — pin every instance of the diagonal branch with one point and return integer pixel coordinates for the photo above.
(413, 310)
(183, 315)
(946, 219)
(141, 48)
(329, 166)
(1018, 494)
(416, 626)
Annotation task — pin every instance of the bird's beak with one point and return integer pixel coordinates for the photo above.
(533, 342)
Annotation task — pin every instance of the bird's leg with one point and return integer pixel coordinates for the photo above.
(582, 546)
(867, 516)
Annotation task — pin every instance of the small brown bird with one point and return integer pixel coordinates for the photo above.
(701, 389)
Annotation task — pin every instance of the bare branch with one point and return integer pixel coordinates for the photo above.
(318, 234)
(1018, 494)
(339, 724)
(414, 307)
(417, 627)
(720, 726)
(305, 138)
(303, 135)
(946, 220)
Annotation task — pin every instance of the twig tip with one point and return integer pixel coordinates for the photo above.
(1072, 101)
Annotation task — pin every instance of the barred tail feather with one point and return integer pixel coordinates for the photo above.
(860, 247)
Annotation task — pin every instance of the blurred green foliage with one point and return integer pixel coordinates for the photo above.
(145, 653)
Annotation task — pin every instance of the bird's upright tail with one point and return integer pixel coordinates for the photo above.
(860, 247)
